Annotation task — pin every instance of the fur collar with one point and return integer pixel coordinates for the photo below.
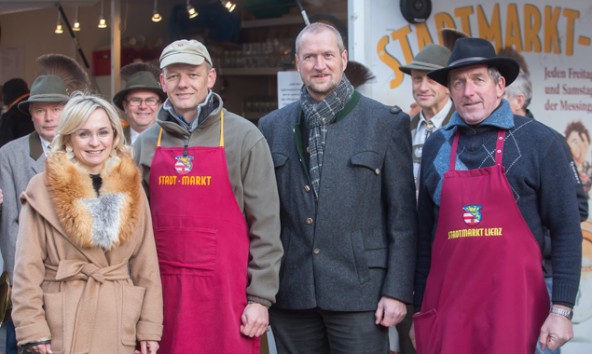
(89, 220)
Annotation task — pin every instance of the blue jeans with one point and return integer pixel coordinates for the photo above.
(549, 282)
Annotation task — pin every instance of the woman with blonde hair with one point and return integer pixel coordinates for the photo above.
(86, 278)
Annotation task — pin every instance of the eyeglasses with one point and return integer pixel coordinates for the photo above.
(150, 101)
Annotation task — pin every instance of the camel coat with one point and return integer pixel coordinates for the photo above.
(86, 273)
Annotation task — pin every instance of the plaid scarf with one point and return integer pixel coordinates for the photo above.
(317, 116)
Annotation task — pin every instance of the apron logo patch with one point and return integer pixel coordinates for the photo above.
(472, 214)
(184, 164)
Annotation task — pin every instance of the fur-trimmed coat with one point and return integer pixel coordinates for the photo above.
(86, 272)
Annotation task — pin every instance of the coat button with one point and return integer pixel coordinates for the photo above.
(309, 221)
(307, 188)
(377, 171)
(316, 251)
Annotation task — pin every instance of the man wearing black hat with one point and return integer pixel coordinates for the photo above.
(486, 195)
(22, 158)
(140, 99)
(14, 123)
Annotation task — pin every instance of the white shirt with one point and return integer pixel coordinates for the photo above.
(421, 134)
(133, 135)
(46, 145)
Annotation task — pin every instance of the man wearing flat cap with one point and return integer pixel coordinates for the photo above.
(491, 183)
(436, 108)
(215, 209)
(24, 157)
(140, 99)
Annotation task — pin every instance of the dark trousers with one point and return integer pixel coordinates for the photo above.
(403, 328)
(11, 347)
(327, 332)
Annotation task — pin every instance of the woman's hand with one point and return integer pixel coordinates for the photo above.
(40, 348)
(147, 347)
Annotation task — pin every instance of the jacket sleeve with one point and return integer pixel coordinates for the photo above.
(27, 296)
(401, 213)
(262, 208)
(145, 273)
(9, 212)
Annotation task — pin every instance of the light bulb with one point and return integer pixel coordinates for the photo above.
(156, 16)
(229, 5)
(102, 22)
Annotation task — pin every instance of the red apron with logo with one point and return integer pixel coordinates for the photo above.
(203, 250)
(485, 291)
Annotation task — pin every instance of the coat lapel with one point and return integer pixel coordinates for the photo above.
(36, 153)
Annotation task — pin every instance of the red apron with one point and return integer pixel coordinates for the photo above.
(203, 250)
(485, 291)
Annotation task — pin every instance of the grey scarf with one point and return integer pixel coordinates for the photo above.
(317, 116)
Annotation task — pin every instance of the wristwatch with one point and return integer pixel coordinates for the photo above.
(562, 312)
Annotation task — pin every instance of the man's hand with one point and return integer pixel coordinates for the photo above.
(390, 312)
(556, 331)
(254, 320)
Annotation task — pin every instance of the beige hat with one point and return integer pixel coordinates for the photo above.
(184, 51)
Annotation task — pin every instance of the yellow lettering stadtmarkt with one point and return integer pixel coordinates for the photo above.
(196, 180)
(529, 27)
(167, 180)
(463, 233)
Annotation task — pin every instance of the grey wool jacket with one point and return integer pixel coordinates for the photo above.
(357, 242)
(20, 160)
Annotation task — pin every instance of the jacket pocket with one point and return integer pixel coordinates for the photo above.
(54, 307)
(131, 309)
(187, 245)
(368, 159)
(279, 160)
(360, 261)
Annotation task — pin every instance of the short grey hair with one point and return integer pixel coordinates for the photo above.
(318, 27)
(520, 86)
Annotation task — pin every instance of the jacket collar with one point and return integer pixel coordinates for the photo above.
(501, 118)
(92, 221)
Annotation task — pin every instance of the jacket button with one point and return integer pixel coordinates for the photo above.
(309, 221)
(377, 171)
(316, 251)
(307, 188)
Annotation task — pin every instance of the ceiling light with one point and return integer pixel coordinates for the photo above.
(229, 5)
(102, 21)
(59, 28)
(76, 25)
(191, 12)
(155, 15)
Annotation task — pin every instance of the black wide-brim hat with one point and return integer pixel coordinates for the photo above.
(476, 51)
(142, 80)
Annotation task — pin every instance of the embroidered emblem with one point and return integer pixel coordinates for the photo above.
(472, 215)
(184, 164)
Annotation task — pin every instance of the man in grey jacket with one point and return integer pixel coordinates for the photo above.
(347, 205)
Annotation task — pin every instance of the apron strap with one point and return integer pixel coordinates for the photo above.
(222, 127)
(159, 137)
(499, 148)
